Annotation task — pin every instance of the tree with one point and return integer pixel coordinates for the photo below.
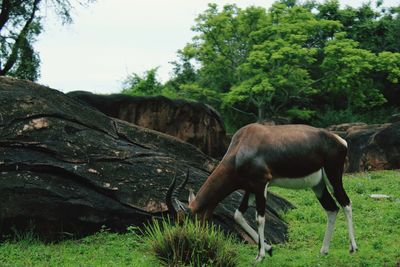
(20, 24)
(223, 43)
(294, 60)
(352, 82)
(376, 29)
(142, 85)
(389, 64)
(183, 73)
(369, 45)
(279, 68)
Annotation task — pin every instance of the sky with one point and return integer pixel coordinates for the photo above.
(112, 39)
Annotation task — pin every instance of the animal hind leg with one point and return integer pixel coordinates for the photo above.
(349, 218)
(335, 178)
(331, 209)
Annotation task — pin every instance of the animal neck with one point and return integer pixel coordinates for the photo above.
(217, 186)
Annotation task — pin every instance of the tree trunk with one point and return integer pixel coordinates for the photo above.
(261, 113)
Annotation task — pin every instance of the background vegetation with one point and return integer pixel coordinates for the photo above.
(305, 62)
(308, 62)
(376, 228)
(21, 21)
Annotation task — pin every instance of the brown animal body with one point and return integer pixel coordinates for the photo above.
(291, 156)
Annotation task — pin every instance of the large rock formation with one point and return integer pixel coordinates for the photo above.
(68, 168)
(192, 122)
(371, 147)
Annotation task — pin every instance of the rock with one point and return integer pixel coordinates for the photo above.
(67, 168)
(357, 138)
(190, 121)
(345, 126)
(379, 196)
(394, 118)
(373, 147)
(383, 149)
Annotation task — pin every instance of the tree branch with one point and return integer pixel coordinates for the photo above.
(5, 13)
(244, 112)
(283, 103)
(235, 109)
(327, 75)
(14, 51)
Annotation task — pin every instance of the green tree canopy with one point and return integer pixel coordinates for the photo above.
(375, 28)
(142, 85)
(292, 60)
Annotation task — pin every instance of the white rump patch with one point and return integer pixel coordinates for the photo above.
(308, 181)
(341, 140)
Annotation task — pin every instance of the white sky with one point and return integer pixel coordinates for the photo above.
(113, 38)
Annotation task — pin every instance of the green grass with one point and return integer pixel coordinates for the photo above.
(377, 226)
(377, 229)
(101, 249)
(191, 243)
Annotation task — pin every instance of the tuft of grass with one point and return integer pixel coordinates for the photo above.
(190, 243)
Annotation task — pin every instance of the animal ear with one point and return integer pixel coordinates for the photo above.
(192, 196)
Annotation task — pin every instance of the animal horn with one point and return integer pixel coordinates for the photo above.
(171, 198)
(175, 194)
(168, 196)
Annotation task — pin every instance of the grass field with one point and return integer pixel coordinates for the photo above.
(377, 228)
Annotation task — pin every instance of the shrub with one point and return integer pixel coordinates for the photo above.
(190, 243)
(331, 117)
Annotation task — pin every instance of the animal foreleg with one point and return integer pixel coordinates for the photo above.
(261, 198)
(239, 218)
(261, 245)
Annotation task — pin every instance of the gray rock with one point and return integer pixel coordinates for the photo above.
(68, 168)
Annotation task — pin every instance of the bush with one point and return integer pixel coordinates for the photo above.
(190, 243)
(331, 117)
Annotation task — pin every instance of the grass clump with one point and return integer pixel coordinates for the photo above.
(191, 243)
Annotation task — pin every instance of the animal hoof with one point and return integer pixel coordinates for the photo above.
(353, 250)
(270, 252)
(259, 258)
(324, 251)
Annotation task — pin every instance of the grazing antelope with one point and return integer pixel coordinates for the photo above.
(290, 156)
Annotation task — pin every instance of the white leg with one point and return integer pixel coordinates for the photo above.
(349, 217)
(239, 218)
(243, 223)
(260, 220)
(331, 218)
(261, 245)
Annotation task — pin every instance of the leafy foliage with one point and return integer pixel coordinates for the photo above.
(375, 28)
(293, 60)
(352, 67)
(147, 84)
(20, 24)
